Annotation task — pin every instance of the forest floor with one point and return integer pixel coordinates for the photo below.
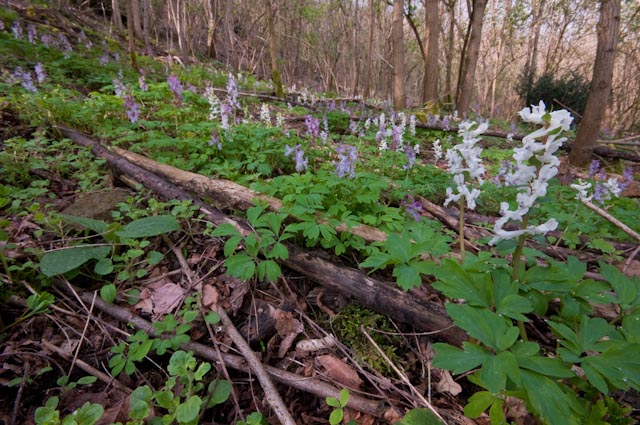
(142, 278)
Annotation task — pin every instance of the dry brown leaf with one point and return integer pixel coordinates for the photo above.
(339, 371)
(288, 327)
(160, 298)
(447, 384)
(210, 296)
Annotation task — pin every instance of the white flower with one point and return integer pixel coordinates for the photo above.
(464, 159)
(265, 114)
(582, 187)
(534, 180)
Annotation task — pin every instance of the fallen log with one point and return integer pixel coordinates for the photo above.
(228, 194)
(382, 297)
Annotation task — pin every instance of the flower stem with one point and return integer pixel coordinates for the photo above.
(461, 227)
(515, 264)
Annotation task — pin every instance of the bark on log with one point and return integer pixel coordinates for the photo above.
(377, 295)
(226, 193)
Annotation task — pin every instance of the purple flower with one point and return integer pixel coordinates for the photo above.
(412, 207)
(116, 57)
(41, 75)
(17, 30)
(313, 126)
(24, 77)
(298, 154)
(594, 168)
(65, 45)
(232, 92)
(46, 40)
(347, 156)
(600, 192)
(175, 86)
(118, 87)
(31, 34)
(396, 136)
(410, 153)
(627, 178)
(142, 83)
(133, 108)
(445, 122)
(215, 139)
(225, 112)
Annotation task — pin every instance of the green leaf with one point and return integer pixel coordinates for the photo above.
(344, 397)
(399, 248)
(212, 318)
(202, 370)
(240, 265)
(87, 380)
(333, 402)
(97, 226)
(457, 283)
(268, 269)
(457, 360)
(420, 416)
(189, 410)
(336, 416)
(376, 261)
(407, 277)
(484, 325)
(103, 267)
(619, 366)
(220, 393)
(139, 402)
(149, 226)
(627, 289)
(59, 262)
(514, 306)
(226, 229)
(108, 292)
(549, 401)
(89, 413)
(478, 403)
(154, 257)
(231, 245)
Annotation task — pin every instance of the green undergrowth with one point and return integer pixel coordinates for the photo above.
(328, 170)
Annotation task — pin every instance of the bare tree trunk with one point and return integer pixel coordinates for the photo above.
(470, 57)
(116, 15)
(228, 25)
(397, 38)
(135, 15)
(448, 85)
(431, 47)
(608, 30)
(211, 9)
(131, 37)
(273, 50)
(146, 24)
(366, 92)
(354, 52)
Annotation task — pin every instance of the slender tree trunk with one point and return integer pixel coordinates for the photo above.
(276, 77)
(470, 57)
(397, 38)
(146, 24)
(608, 30)
(366, 92)
(431, 47)
(448, 85)
(116, 15)
(137, 23)
(354, 52)
(228, 25)
(131, 37)
(211, 9)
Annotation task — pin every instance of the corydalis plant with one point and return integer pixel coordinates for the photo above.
(298, 155)
(466, 166)
(532, 177)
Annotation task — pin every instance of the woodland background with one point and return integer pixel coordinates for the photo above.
(347, 47)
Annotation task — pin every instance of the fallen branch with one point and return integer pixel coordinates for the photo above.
(629, 231)
(270, 392)
(311, 385)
